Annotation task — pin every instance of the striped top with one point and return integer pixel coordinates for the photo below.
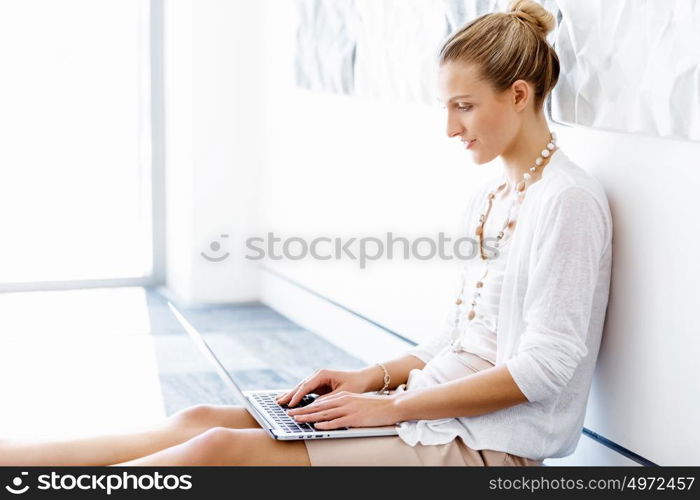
(478, 336)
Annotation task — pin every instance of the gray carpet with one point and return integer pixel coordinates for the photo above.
(260, 348)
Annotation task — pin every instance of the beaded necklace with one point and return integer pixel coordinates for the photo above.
(508, 224)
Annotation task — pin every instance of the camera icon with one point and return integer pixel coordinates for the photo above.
(215, 246)
(17, 483)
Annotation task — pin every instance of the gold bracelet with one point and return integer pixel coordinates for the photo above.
(387, 379)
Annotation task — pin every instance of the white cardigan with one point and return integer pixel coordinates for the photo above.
(552, 309)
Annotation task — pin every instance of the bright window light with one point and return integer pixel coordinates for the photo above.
(75, 174)
(77, 363)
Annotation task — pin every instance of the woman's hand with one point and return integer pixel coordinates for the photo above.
(346, 409)
(327, 382)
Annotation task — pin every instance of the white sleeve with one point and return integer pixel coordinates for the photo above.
(558, 301)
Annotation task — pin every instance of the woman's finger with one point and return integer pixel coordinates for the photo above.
(280, 400)
(320, 416)
(327, 396)
(304, 389)
(296, 397)
(288, 395)
(332, 395)
(337, 423)
(330, 402)
(313, 407)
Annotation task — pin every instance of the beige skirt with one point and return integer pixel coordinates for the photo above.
(393, 451)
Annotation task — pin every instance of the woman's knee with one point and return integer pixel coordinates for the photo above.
(202, 415)
(206, 416)
(218, 445)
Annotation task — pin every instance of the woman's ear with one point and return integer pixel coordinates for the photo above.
(521, 93)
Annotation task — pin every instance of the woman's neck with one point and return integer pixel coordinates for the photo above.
(523, 152)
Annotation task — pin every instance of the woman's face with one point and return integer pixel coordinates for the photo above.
(489, 119)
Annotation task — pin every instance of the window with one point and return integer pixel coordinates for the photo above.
(75, 163)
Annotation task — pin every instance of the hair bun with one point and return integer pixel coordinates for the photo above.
(533, 13)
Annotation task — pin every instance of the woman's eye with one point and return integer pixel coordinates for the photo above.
(464, 108)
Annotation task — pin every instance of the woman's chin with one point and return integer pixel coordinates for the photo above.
(478, 159)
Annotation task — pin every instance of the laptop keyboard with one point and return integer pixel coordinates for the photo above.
(278, 414)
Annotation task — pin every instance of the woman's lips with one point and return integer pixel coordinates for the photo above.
(469, 144)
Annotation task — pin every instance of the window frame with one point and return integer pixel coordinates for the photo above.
(153, 156)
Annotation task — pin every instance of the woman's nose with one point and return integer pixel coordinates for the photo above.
(453, 131)
(454, 128)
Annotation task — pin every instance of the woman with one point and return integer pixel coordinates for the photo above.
(506, 382)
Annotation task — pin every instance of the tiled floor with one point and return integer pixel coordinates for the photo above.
(92, 361)
(259, 347)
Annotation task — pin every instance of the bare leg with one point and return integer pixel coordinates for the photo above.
(222, 446)
(105, 450)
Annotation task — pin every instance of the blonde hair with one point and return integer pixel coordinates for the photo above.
(508, 46)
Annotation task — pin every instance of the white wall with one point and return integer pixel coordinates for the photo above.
(646, 390)
(178, 155)
(212, 146)
(331, 165)
(342, 164)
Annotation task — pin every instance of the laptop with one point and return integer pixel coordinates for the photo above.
(271, 416)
